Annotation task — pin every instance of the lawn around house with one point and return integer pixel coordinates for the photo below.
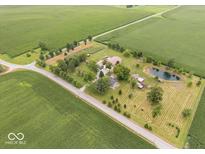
(51, 117)
(177, 96)
(22, 27)
(177, 34)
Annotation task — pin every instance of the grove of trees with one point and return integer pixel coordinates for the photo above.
(155, 95)
(122, 72)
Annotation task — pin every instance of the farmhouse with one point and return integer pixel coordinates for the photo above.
(113, 60)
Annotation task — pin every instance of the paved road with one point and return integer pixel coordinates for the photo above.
(158, 142)
(94, 102)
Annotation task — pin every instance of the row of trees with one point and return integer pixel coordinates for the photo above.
(116, 47)
(66, 66)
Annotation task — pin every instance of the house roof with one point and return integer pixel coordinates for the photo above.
(114, 59)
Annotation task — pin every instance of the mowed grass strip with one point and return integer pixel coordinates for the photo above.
(196, 137)
(51, 117)
(22, 27)
(177, 34)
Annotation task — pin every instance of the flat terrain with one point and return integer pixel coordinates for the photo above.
(51, 117)
(196, 134)
(177, 34)
(22, 27)
(177, 97)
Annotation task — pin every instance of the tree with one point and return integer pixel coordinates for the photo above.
(1, 69)
(68, 46)
(198, 83)
(90, 38)
(133, 83)
(155, 95)
(101, 74)
(41, 57)
(171, 63)
(75, 43)
(93, 66)
(42, 45)
(102, 85)
(186, 113)
(122, 72)
(85, 41)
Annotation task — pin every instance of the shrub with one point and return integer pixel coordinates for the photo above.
(127, 114)
(186, 113)
(147, 126)
(120, 92)
(109, 104)
(198, 83)
(126, 54)
(137, 65)
(104, 102)
(130, 96)
(125, 106)
(111, 97)
(28, 55)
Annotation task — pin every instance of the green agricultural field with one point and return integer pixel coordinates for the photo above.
(177, 34)
(22, 27)
(51, 117)
(196, 134)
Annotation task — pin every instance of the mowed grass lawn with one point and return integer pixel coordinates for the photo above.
(177, 97)
(22, 27)
(177, 34)
(196, 134)
(51, 117)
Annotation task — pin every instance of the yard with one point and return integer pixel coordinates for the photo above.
(51, 117)
(177, 97)
(177, 34)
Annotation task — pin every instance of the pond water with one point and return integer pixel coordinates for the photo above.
(163, 74)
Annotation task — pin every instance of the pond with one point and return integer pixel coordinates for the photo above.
(163, 74)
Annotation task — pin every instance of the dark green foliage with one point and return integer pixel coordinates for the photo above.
(90, 37)
(41, 63)
(147, 126)
(120, 92)
(101, 74)
(186, 113)
(155, 95)
(43, 45)
(130, 96)
(102, 85)
(122, 72)
(171, 63)
(126, 114)
(93, 66)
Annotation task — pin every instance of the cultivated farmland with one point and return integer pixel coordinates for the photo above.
(51, 117)
(22, 27)
(177, 34)
(196, 137)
